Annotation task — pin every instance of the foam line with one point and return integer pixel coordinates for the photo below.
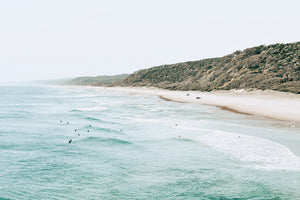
(95, 108)
(254, 152)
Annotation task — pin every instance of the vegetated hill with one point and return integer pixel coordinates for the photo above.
(96, 81)
(275, 67)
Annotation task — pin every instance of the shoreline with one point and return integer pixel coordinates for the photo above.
(271, 104)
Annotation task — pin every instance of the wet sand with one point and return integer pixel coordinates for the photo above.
(271, 104)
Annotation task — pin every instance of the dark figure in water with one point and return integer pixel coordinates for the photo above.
(67, 122)
(88, 131)
(90, 125)
(75, 129)
(60, 121)
(175, 124)
(70, 141)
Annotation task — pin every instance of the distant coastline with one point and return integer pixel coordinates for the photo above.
(262, 80)
(274, 67)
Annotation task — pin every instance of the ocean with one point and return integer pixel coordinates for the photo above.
(67, 142)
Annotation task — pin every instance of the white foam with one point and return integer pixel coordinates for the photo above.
(86, 95)
(253, 151)
(100, 101)
(75, 96)
(145, 120)
(156, 109)
(113, 103)
(208, 111)
(191, 128)
(95, 108)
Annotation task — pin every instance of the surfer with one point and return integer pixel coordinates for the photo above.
(88, 131)
(90, 125)
(67, 122)
(75, 129)
(70, 141)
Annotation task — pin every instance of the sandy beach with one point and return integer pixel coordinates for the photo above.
(271, 104)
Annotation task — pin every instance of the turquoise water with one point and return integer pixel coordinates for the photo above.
(139, 147)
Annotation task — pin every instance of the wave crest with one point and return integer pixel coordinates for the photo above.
(95, 108)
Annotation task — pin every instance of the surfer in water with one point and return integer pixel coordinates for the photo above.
(70, 141)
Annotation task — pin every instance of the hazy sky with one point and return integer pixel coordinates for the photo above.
(43, 39)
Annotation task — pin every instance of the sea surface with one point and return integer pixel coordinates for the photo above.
(139, 147)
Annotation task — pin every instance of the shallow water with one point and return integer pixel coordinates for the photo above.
(139, 147)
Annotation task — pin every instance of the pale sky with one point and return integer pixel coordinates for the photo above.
(46, 39)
